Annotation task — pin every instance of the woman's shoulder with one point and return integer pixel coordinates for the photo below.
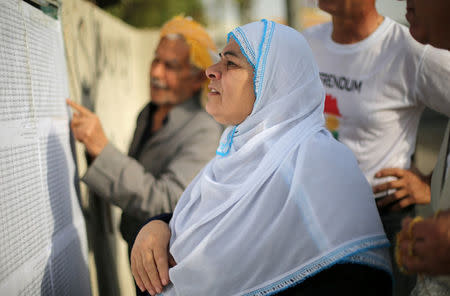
(323, 143)
(323, 151)
(323, 161)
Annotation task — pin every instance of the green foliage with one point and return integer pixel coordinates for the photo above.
(154, 13)
(244, 9)
(244, 4)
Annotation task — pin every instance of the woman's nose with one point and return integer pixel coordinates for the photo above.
(213, 72)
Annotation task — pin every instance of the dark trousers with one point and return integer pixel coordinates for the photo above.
(403, 283)
(344, 279)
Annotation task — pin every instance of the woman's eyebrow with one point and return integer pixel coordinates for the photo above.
(229, 52)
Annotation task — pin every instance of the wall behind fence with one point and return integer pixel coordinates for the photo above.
(108, 64)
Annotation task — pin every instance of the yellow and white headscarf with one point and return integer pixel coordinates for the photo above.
(202, 50)
(202, 47)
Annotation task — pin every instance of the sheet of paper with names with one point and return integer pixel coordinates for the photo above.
(43, 248)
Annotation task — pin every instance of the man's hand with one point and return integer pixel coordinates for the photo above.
(86, 128)
(410, 188)
(150, 257)
(427, 248)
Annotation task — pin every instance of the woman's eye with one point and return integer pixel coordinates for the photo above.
(230, 64)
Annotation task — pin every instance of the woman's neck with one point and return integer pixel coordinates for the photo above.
(352, 29)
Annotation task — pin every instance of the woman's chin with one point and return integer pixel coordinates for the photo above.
(218, 118)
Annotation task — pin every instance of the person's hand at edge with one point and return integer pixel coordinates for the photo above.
(425, 246)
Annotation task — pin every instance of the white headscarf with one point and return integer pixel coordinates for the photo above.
(282, 200)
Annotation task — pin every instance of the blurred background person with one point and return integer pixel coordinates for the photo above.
(425, 245)
(174, 137)
(378, 80)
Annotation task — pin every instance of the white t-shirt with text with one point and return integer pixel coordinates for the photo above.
(376, 91)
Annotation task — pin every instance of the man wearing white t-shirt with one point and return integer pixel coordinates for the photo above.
(378, 80)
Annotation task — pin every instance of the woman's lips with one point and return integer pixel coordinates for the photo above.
(213, 91)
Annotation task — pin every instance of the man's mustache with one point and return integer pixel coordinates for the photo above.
(155, 82)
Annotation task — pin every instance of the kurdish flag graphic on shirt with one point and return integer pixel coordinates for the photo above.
(332, 115)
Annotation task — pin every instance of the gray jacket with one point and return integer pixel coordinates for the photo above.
(440, 181)
(440, 199)
(152, 178)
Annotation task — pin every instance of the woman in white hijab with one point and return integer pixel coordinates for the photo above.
(283, 207)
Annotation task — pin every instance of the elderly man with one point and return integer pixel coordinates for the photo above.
(424, 245)
(174, 136)
(378, 81)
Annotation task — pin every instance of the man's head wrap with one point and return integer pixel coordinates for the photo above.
(202, 47)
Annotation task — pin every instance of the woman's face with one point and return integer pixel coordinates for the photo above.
(231, 95)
